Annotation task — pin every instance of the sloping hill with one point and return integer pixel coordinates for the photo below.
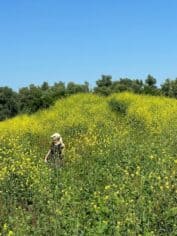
(120, 170)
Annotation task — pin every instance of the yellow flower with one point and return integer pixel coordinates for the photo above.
(107, 187)
(5, 226)
(105, 222)
(10, 233)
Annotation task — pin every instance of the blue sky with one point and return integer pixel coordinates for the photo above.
(77, 40)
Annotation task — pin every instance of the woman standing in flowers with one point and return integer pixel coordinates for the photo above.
(56, 151)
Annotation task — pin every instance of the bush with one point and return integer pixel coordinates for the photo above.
(118, 106)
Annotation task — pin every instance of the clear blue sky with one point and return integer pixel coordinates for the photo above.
(77, 40)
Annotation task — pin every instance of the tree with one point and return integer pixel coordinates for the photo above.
(166, 88)
(73, 88)
(150, 85)
(58, 90)
(30, 99)
(45, 86)
(47, 99)
(137, 86)
(169, 88)
(8, 103)
(104, 85)
(126, 84)
(105, 81)
(86, 87)
(150, 81)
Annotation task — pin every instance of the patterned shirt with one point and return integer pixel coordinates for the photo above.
(56, 151)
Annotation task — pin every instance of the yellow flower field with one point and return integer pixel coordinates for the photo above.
(119, 176)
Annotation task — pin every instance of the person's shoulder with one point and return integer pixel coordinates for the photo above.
(62, 145)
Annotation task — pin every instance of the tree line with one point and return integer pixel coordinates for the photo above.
(32, 98)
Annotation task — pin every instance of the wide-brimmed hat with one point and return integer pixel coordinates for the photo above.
(55, 136)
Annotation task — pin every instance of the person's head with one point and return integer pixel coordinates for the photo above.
(55, 137)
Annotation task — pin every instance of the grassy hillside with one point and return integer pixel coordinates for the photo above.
(120, 172)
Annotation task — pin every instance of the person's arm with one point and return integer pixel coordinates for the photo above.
(61, 151)
(47, 155)
(62, 148)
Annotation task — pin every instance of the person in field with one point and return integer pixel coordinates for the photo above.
(56, 152)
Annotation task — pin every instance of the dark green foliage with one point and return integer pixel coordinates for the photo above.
(169, 88)
(45, 86)
(73, 88)
(118, 106)
(104, 85)
(105, 81)
(58, 90)
(8, 103)
(30, 99)
(151, 81)
(150, 85)
(125, 84)
(103, 90)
